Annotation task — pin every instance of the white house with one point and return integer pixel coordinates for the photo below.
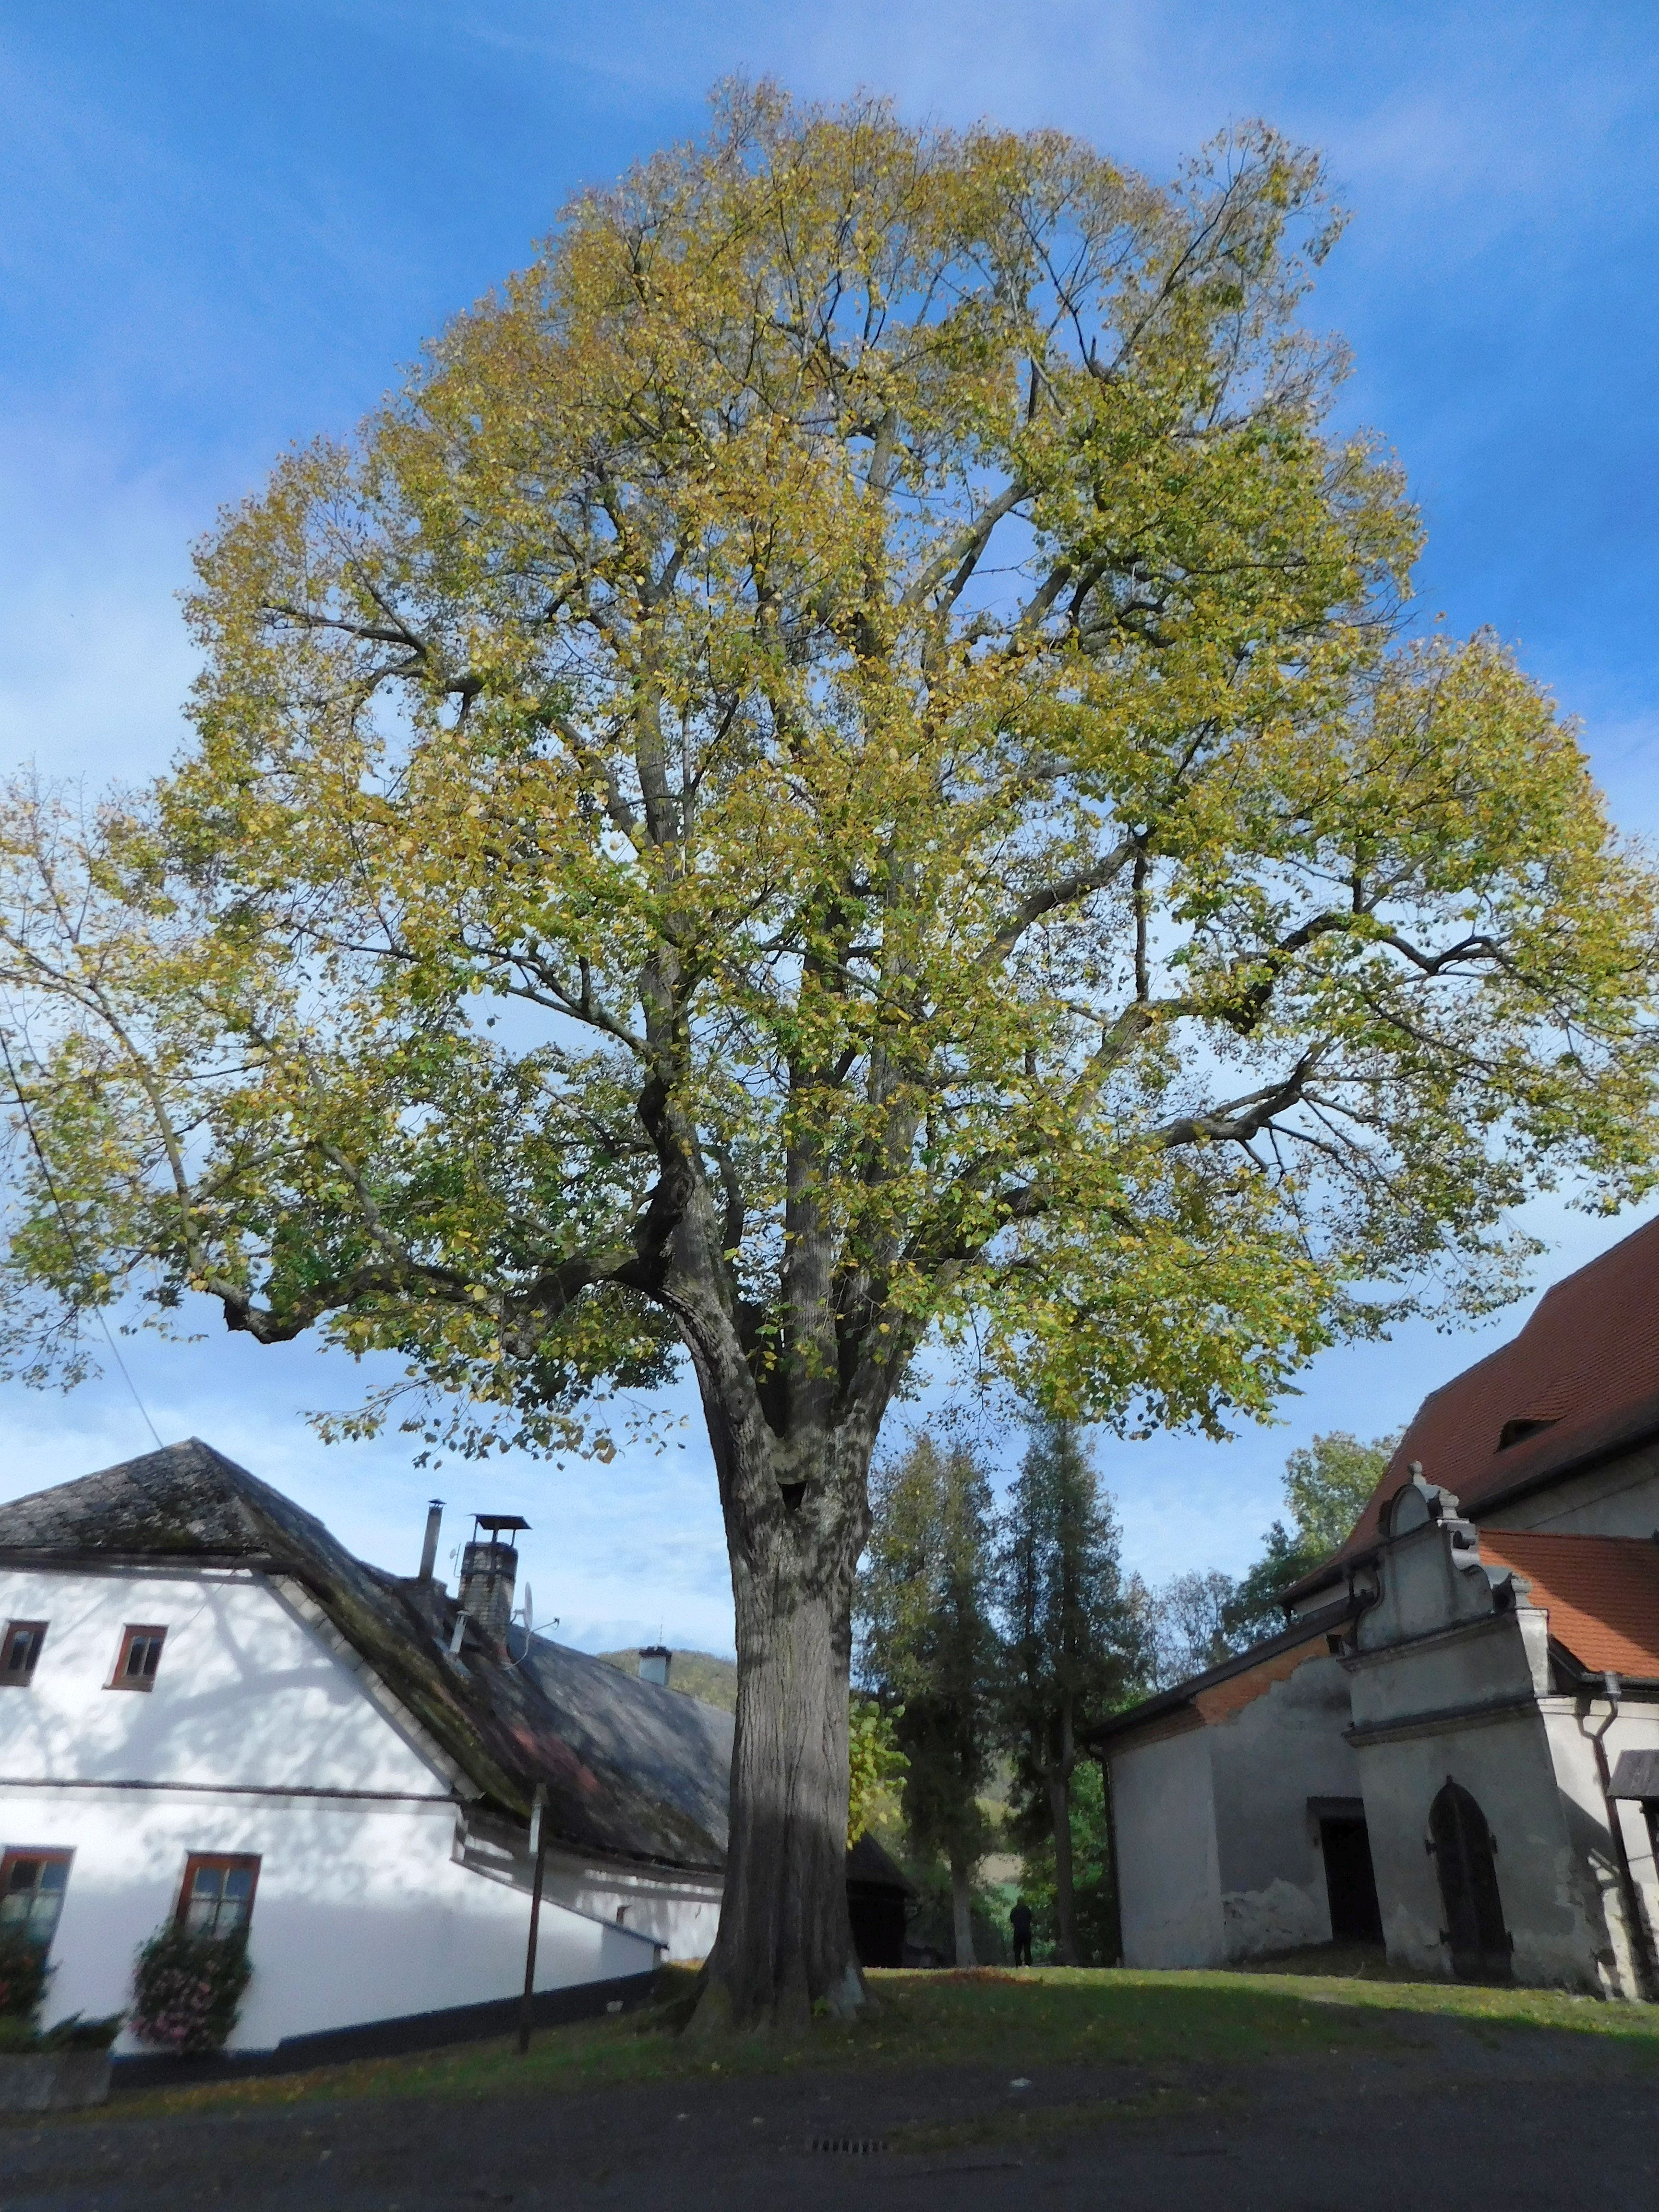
(210, 1711)
(1453, 1748)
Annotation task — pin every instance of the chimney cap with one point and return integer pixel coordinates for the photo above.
(496, 1522)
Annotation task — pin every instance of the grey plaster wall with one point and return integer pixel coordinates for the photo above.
(1163, 1816)
(1621, 1499)
(1268, 1759)
(1571, 1725)
(1447, 1684)
(1553, 1915)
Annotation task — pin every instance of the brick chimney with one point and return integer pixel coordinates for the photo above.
(490, 1570)
(655, 1661)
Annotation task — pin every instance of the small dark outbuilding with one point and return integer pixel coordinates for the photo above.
(878, 1899)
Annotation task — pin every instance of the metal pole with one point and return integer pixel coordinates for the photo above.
(538, 1852)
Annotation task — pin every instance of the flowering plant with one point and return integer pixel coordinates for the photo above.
(187, 1990)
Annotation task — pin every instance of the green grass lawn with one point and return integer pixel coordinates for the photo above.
(1049, 2017)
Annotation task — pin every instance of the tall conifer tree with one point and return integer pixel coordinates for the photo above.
(924, 1599)
(1073, 1638)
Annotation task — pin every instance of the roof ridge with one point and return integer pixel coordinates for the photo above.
(1495, 1432)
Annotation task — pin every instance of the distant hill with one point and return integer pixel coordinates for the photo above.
(696, 1674)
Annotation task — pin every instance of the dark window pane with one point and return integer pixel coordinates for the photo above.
(33, 1897)
(23, 1642)
(140, 1654)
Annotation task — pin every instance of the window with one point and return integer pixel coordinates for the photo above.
(1517, 1431)
(31, 1886)
(217, 1897)
(21, 1653)
(140, 1655)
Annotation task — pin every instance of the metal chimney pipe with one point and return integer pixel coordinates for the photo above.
(435, 1515)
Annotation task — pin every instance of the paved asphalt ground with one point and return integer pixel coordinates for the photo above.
(1454, 2116)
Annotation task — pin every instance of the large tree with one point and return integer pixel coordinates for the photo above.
(868, 657)
(928, 1641)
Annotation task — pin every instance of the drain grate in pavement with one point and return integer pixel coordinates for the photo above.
(848, 2145)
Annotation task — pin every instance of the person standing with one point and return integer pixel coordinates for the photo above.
(1020, 1921)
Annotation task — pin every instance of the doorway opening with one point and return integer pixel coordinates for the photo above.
(1465, 1857)
(1350, 1882)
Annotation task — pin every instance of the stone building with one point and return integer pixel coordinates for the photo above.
(1453, 1747)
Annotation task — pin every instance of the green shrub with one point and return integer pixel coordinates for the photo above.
(22, 2037)
(187, 1990)
(75, 2034)
(23, 1972)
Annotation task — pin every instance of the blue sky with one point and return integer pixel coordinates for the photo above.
(225, 226)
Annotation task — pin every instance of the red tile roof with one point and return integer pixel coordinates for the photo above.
(1602, 1594)
(1585, 1368)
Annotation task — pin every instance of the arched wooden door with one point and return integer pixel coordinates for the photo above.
(1474, 1930)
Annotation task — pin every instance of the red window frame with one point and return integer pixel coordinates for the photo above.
(224, 1864)
(126, 1676)
(10, 1862)
(13, 1677)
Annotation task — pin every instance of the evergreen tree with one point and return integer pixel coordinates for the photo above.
(930, 1649)
(1073, 1648)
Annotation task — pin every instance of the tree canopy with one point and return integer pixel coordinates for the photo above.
(866, 646)
(837, 763)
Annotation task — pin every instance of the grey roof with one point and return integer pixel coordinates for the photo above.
(632, 1770)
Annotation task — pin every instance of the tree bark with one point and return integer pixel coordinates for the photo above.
(796, 1516)
(962, 1902)
(793, 1463)
(785, 1943)
(1059, 1807)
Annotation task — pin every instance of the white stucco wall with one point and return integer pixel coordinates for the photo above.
(680, 1913)
(260, 1735)
(1169, 1885)
(1284, 1748)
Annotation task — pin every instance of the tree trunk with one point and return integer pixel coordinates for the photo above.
(793, 1473)
(784, 1945)
(1059, 1807)
(785, 1942)
(962, 1902)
